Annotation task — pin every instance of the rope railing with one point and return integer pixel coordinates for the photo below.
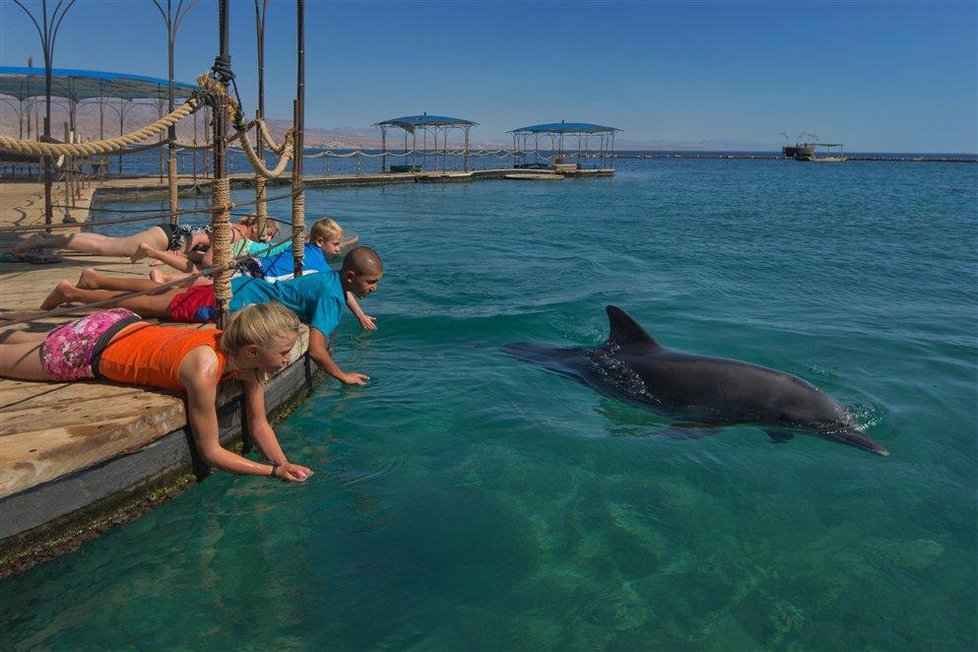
(107, 146)
(198, 146)
(138, 149)
(499, 153)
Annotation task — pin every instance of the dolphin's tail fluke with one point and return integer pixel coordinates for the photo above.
(858, 439)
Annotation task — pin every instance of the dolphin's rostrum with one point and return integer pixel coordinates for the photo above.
(702, 391)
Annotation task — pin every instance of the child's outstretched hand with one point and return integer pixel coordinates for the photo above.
(354, 378)
(293, 472)
(367, 323)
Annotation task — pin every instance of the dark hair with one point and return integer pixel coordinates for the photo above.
(362, 260)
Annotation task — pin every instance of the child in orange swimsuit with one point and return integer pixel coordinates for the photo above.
(117, 345)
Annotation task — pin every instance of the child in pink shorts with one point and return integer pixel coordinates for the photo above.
(71, 352)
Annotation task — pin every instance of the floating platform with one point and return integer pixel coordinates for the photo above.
(535, 177)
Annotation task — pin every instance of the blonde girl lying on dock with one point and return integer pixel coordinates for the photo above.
(201, 255)
(165, 236)
(117, 345)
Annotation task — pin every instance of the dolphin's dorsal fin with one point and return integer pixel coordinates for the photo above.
(625, 330)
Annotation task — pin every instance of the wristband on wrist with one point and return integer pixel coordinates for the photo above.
(275, 466)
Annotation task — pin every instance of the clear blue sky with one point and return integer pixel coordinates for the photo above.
(877, 76)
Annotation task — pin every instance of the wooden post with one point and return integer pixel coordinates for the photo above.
(220, 188)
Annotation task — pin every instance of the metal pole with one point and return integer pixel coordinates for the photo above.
(261, 209)
(298, 198)
(171, 132)
(383, 141)
(48, 209)
(172, 22)
(122, 126)
(48, 34)
(159, 112)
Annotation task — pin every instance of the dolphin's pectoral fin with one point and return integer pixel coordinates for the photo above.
(689, 431)
(779, 436)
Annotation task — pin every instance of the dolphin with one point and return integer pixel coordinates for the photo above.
(703, 392)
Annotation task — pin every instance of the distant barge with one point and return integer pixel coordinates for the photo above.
(799, 151)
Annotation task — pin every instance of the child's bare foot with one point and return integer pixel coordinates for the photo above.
(88, 279)
(348, 242)
(141, 252)
(58, 295)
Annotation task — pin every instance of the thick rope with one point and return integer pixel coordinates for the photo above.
(107, 146)
(194, 146)
(267, 138)
(136, 149)
(221, 240)
(259, 166)
(298, 228)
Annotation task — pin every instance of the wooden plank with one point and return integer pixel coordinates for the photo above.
(39, 456)
(21, 396)
(40, 415)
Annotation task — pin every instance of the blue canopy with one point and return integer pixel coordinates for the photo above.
(77, 85)
(411, 122)
(563, 127)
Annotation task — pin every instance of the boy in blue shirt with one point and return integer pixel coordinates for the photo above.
(324, 242)
(318, 299)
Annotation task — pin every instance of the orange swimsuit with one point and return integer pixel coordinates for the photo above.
(146, 354)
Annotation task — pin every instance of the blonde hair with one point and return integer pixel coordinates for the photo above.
(325, 228)
(251, 221)
(260, 324)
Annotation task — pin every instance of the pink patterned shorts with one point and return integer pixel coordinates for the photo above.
(72, 351)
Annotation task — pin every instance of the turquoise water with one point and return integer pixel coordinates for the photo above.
(467, 500)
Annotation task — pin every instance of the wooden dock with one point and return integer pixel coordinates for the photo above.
(76, 458)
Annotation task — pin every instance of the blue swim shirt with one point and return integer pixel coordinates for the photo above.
(278, 266)
(318, 299)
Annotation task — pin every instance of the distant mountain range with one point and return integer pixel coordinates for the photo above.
(87, 124)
